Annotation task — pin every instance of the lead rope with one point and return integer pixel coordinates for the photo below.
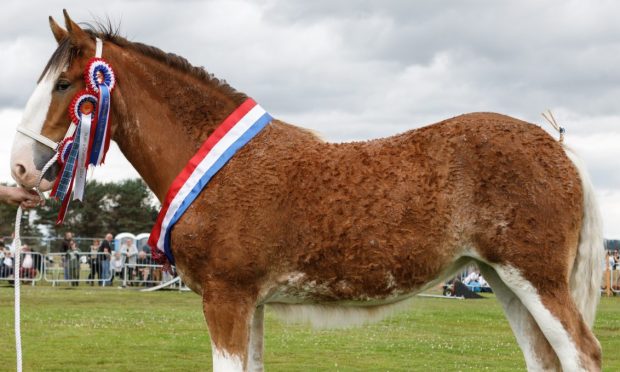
(18, 215)
(16, 263)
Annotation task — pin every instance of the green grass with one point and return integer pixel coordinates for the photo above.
(111, 329)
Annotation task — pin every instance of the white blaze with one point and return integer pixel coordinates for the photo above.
(33, 119)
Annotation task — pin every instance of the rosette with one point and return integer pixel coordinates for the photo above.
(64, 148)
(84, 103)
(99, 72)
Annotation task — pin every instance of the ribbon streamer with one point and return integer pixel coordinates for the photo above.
(101, 133)
(89, 112)
(62, 190)
(80, 176)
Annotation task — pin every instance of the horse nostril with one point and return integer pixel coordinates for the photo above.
(20, 170)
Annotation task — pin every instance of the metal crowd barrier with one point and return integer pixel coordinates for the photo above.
(144, 275)
(612, 280)
(90, 268)
(84, 267)
(77, 267)
(31, 267)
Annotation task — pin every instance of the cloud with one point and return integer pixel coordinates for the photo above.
(364, 69)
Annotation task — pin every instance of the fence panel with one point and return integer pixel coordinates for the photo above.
(615, 280)
(143, 275)
(31, 267)
(78, 267)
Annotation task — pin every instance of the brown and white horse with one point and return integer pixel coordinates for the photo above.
(337, 233)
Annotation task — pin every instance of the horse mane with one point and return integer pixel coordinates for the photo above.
(106, 31)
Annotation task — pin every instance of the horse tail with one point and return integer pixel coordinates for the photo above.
(586, 275)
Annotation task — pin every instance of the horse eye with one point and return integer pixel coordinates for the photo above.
(62, 85)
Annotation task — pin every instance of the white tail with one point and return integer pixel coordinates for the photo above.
(585, 281)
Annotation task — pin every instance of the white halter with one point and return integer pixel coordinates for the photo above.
(45, 140)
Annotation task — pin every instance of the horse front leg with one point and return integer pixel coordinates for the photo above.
(255, 363)
(230, 315)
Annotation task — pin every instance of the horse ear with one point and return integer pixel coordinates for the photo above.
(78, 36)
(59, 32)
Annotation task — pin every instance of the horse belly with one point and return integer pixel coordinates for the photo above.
(301, 288)
(300, 299)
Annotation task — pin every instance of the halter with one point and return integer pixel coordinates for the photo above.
(87, 139)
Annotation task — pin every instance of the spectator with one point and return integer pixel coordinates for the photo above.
(2, 249)
(130, 253)
(476, 283)
(116, 265)
(65, 246)
(472, 277)
(93, 262)
(9, 246)
(617, 260)
(27, 269)
(7, 264)
(144, 269)
(72, 260)
(610, 261)
(105, 269)
(105, 251)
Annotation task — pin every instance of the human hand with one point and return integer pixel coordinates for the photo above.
(19, 196)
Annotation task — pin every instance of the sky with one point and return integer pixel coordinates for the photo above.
(355, 70)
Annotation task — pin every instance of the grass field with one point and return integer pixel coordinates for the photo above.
(122, 330)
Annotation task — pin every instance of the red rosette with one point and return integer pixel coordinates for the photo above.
(98, 71)
(85, 103)
(63, 149)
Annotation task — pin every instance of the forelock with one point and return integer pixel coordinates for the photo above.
(62, 56)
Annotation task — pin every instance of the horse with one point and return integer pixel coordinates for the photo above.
(342, 233)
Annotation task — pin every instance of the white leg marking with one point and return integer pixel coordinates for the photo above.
(518, 317)
(225, 362)
(551, 327)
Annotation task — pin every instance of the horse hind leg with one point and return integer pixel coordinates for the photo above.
(552, 307)
(538, 353)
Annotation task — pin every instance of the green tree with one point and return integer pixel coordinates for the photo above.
(132, 207)
(7, 219)
(107, 207)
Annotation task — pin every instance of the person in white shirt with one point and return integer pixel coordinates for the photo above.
(131, 253)
(472, 277)
(116, 265)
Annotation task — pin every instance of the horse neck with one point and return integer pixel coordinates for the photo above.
(163, 116)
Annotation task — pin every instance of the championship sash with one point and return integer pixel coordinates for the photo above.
(231, 135)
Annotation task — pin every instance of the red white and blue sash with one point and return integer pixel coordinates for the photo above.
(234, 132)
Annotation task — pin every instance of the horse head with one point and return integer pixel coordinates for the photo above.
(46, 118)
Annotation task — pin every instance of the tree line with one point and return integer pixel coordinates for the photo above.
(108, 207)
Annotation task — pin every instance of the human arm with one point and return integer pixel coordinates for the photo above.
(19, 196)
